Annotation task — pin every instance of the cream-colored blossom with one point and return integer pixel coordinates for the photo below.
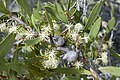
(78, 64)
(104, 46)
(78, 27)
(14, 28)
(51, 62)
(104, 58)
(85, 39)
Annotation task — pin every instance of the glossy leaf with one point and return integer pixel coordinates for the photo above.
(3, 8)
(110, 25)
(95, 28)
(112, 70)
(61, 13)
(93, 15)
(23, 4)
(6, 45)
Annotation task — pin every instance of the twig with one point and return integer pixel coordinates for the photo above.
(20, 22)
(91, 69)
(64, 31)
(101, 42)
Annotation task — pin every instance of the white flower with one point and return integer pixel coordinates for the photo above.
(78, 64)
(14, 28)
(43, 36)
(85, 39)
(74, 35)
(104, 46)
(46, 29)
(110, 43)
(104, 58)
(51, 62)
(78, 27)
(69, 26)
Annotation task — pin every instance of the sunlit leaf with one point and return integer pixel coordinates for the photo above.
(110, 25)
(36, 11)
(93, 15)
(23, 4)
(34, 22)
(95, 28)
(112, 70)
(61, 13)
(50, 8)
(3, 8)
(50, 22)
(6, 45)
(72, 12)
(32, 41)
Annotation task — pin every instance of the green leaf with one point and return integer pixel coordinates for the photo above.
(3, 8)
(35, 59)
(93, 15)
(3, 66)
(33, 19)
(69, 4)
(61, 13)
(23, 4)
(112, 70)
(15, 57)
(70, 78)
(6, 45)
(50, 8)
(114, 54)
(32, 41)
(36, 11)
(71, 71)
(50, 21)
(16, 67)
(72, 12)
(110, 25)
(95, 28)
(77, 16)
(37, 71)
(12, 75)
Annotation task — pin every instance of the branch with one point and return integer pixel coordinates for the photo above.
(20, 22)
